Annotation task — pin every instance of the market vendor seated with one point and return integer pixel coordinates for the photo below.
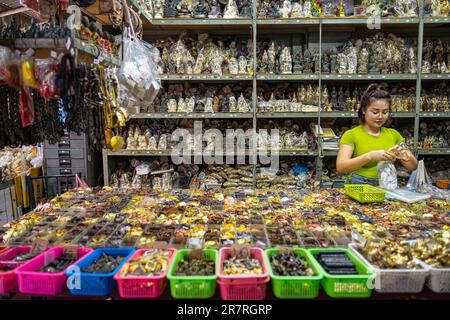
(362, 147)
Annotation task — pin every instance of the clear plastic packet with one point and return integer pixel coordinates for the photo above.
(9, 70)
(139, 72)
(28, 73)
(387, 175)
(46, 72)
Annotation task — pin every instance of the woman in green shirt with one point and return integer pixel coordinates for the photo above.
(361, 148)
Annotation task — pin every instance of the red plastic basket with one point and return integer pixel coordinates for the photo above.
(42, 283)
(139, 287)
(245, 287)
(3, 249)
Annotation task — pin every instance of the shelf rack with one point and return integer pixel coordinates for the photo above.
(416, 24)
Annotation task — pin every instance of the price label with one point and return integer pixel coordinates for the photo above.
(196, 254)
(162, 245)
(194, 243)
(39, 245)
(143, 169)
(71, 252)
(241, 251)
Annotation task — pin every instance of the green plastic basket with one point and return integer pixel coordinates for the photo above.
(364, 193)
(346, 286)
(297, 287)
(192, 286)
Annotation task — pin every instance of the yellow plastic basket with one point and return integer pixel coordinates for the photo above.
(364, 193)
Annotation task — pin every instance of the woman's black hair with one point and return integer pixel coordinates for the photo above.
(373, 93)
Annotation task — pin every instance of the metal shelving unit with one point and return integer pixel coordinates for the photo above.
(442, 76)
(219, 115)
(434, 152)
(368, 77)
(205, 77)
(287, 77)
(293, 26)
(434, 114)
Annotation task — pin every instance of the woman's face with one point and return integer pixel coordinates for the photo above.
(377, 113)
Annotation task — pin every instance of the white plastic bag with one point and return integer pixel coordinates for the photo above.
(387, 175)
(420, 181)
(139, 70)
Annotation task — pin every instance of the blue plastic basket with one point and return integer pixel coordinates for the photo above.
(98, 284)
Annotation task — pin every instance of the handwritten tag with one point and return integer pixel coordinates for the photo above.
(71, 252)
(196, 254)
(241, 251)
(162, 245)
(39, 245)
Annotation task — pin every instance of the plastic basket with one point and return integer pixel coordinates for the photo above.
(396, 280)
(305, 287)
(98, 284)
(364, 193)
(443, 184)
(141, 286)
(244, 287)
(192, 286)
(439, 280)
(13, 252)
(3, 249)
(32, 282)
(8, 280)
(346, 286)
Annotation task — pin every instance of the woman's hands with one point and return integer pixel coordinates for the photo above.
(380, 155)
(401, 153)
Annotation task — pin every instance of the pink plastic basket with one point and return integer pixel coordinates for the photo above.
(8, 280)
(3, 249)
(33, 282)
(139, 287)
(245, 287)
(9, 255)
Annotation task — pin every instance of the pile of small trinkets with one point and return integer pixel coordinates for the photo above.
(105, 264)
(288, 263)
(242, 266)
(195, 267)
(151, 263)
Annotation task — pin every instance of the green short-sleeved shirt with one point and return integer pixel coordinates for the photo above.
(362, 143)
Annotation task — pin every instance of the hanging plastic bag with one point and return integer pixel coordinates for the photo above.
(420, 181)
(46, 72)
(138, 72)
(28, 77)
(387, 175)
(9, 71)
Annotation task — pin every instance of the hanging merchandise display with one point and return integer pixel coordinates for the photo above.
(138, 72)
(33, 30)
(9, 67)
(72, 95)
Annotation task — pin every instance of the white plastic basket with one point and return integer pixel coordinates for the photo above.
(396, 280)
(439, 280)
